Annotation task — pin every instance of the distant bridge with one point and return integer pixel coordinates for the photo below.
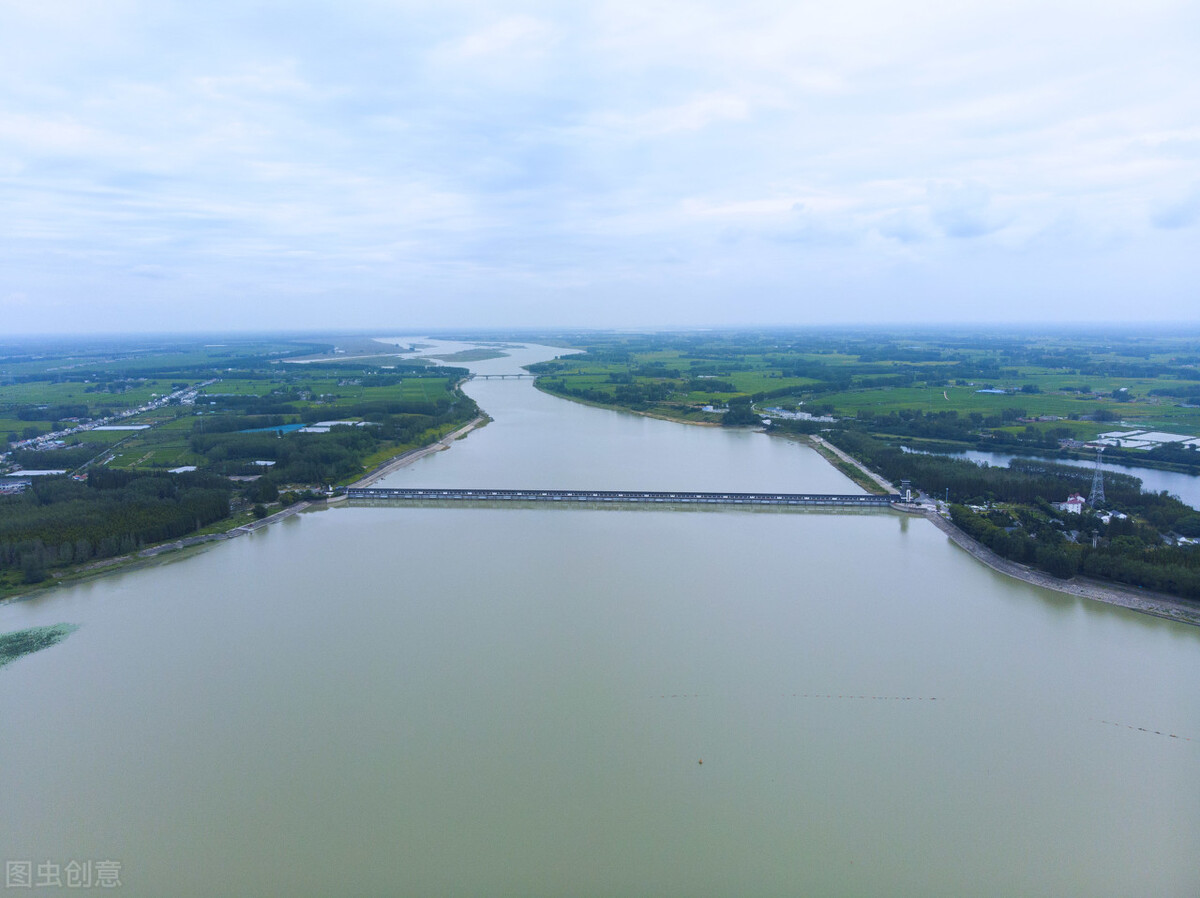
(625, 496)
(500, 376)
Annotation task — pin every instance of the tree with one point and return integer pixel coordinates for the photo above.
(33, 568)
(740, 413)
(1188, 526)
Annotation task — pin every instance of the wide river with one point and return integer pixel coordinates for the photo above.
(572, 701)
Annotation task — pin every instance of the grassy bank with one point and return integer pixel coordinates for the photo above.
(853, 470)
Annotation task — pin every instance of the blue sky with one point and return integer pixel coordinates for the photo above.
(247, 165)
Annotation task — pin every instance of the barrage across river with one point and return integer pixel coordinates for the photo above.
(624, 496)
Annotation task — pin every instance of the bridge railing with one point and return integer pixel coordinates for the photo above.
(634, 496)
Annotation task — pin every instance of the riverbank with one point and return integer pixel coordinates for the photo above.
(846, 464)
(1157, 604)
(1112, 593)
(106, 566)
(852, 467)
(1144, 601)
(236, 527)
(658, 416)
(407, 458)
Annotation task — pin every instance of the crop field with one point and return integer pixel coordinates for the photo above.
(54, 390)
(965, 400)
(51, 394)
(119, 486)
(761, 381)
(240, 386)
(922, 386)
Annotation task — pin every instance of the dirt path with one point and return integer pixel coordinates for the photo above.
(850, 460)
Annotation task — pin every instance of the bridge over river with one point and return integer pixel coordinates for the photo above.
(624, 496)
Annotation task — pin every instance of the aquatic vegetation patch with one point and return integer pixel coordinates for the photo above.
(23, 642)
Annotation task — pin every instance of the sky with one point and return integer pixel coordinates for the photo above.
(247, 166)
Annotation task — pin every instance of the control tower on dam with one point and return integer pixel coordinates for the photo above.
(625, 496)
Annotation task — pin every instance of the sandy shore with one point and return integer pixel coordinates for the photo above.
(412, 455)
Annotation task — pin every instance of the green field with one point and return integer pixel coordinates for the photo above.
(232, 404)
(925, 385)
(46, 386)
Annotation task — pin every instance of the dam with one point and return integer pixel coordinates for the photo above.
(623, 496)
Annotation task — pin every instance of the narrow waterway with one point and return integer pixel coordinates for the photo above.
(1184, 486)
(470, 701)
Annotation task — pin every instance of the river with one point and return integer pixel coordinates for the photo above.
(549, 701)
(1184, 486)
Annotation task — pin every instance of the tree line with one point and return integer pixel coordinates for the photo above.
(1129, 559)
(331, 457)
(60, 521)
(1034, 531)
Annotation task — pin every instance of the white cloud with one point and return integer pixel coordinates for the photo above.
(481, 150)
(47, 134)
(963, 210)
(514, 36)
(694, 114)
(1180, 213)
(903, 225)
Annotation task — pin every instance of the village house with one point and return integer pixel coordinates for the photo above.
(1074, 504)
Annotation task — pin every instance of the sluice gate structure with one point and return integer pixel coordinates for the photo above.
(643, 497)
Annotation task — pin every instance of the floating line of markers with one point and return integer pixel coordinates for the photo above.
(1144, 730)
(869, 698)
(923, 698)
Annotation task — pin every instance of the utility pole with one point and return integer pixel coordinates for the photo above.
(1096, 498)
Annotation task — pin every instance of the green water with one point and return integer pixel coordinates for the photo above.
(24, 642)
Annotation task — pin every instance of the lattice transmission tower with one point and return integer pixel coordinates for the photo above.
(1096, 497)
